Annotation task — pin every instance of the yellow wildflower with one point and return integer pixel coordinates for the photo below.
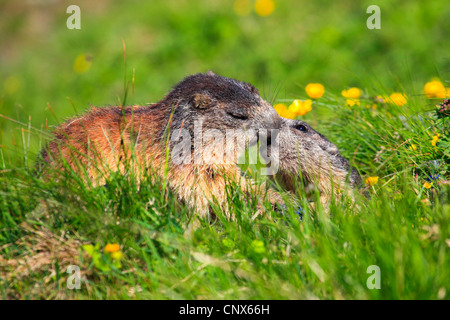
(371, 181)
(434, 89)
(82, 63)
(288, 114)
(315, 90)
(398, 99)
(112, 248)
(428, 185)
(117, 255)
(280, 108)
(352, 93)
(242, 7)
(283, 111)
(264, 7)
(413, 147)
(434, 140)
(352, 102)
(300, 108)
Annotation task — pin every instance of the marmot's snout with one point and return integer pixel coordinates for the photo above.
(268, 124)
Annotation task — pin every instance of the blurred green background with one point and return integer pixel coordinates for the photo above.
(298, 43)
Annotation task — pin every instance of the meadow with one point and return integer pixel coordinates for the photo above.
(379, 95)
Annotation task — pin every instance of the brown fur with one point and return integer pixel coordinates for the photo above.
(105, 140)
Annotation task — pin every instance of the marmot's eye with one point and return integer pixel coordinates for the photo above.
(238, 115)
(301, 127)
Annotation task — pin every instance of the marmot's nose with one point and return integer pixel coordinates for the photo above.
(271, 119)
(271, 124)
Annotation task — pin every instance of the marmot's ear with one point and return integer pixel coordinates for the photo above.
(210, 73)
(201, 101)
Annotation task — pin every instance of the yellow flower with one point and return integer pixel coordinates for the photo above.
(398, 99)
(352, 102)
(280, 108)
(283, 111)
(413, 147)
(300, 108)
(315, 90)
(428, 185)
(112, 248)
(434, 140)
(242, 7)
(435, 89)
(371, 181)
(352, 93)
(82, 63)
(288, 114)
(264, 7)
(117, 255)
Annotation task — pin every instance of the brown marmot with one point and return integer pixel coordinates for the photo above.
(308, 157)
(181, 138)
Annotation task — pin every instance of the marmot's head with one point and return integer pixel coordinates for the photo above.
(303, 150)
(221, 106)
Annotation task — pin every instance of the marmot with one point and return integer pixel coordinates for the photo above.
(307, 156)
(102, 140)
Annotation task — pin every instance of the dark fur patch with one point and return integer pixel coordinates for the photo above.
(216, 87)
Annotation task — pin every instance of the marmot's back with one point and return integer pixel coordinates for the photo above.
(99, 140)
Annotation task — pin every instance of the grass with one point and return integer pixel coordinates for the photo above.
(403, 228)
